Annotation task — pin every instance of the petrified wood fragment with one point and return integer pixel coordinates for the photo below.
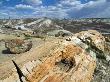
(72, 64)
(18, 46)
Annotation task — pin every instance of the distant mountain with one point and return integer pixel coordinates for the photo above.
(73, 25)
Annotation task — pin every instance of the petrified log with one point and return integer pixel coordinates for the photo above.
(17, 46)
(72, 64)
(69, 63)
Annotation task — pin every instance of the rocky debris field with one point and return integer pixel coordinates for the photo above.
(81, 57)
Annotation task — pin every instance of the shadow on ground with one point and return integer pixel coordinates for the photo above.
(7, 51)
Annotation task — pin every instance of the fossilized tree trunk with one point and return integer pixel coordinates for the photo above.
(71, 64)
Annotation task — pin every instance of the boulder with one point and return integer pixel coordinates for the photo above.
(59, 33)
(18, 46)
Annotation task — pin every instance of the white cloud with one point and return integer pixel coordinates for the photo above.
(74, 8)
(33, 2)
(21, 6)
(78, 5)
(62, 9)
(70, 2)
(95, 3)
(7, 0)
(8, 12)
(3, 13)
(70, 8)
(50, 11)
(105, 12)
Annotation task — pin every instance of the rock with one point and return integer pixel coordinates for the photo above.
(94, 41)
(92, 37)
(108, 58)
(107, 48)
(18, 46)
(63, 33)
(59, 33)
(107, 37)
(26, 69)
(7, 26)
(21, 27)
(102, 71)
(70, 64)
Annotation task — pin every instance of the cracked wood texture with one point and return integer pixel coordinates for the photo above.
(81, 70)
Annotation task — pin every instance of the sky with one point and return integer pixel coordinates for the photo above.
(55, 8)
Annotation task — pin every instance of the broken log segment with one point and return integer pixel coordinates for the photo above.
(79, 66)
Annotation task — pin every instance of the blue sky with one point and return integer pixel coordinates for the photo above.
(54, 8)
